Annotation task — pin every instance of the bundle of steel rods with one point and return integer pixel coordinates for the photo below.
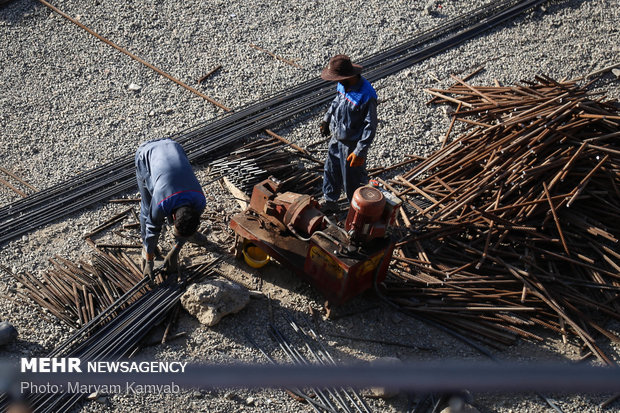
(521, 218)
(115, 332)
(206, 141)
(331, 400)
(262, 158)
(77, 292)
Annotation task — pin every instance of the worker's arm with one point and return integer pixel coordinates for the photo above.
(368, 131)
(324, 127)
(171, 262)
(330, 111)
(151, 224)
(150, 235)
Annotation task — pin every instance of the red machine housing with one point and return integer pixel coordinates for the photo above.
(296, 212)
(290, 228)
(372, 210)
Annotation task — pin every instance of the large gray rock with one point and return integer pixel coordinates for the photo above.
(211, 300)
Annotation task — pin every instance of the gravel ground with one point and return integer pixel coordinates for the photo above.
(68, 107)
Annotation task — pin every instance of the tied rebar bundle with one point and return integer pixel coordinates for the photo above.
(521, 216)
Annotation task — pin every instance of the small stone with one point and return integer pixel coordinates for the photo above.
(250, 401)
(197, 394)
(384, 392)
(430, 7)
(152, 113)
(134, 87)
(448, 110)
(229, 395)
(102, 400)
(616, 72)
(93, 396)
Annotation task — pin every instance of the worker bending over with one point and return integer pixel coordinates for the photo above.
(352, 121)
(171, 191)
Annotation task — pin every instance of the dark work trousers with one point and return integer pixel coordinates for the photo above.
(146, 191)
(338, 174)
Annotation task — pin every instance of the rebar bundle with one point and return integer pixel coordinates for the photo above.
(521, 218)
(77, 292)
(206, 141)
(330, 400)
(262, 158)
(115, 331)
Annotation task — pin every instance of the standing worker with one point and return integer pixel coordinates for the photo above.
(352, 121)
(171, 191)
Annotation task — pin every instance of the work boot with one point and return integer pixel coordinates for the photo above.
(328, 207)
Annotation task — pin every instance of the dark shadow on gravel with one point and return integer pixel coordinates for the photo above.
(12, 352)
(15, 11)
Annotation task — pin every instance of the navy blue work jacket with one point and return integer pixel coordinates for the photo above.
(166, 182)
(352, 116)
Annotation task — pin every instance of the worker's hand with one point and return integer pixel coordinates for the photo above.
(171, 262)
(147, 270)
(324, 128)
(148, 261)
(355, 160)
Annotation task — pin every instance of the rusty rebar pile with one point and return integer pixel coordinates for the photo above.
(517, 220)
(77, 292)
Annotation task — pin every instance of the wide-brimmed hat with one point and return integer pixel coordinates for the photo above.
(340, 68)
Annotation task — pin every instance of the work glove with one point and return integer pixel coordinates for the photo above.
(355, 160)
(324, 128)
(171, 262)
(148, 261)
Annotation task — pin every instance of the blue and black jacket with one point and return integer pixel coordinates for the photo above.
(166, 182)
(352, 116)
